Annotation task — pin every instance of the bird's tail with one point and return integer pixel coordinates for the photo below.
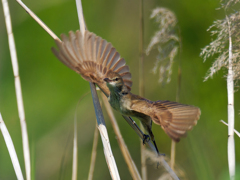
(175, 118)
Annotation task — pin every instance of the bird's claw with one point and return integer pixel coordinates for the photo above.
(146, 138)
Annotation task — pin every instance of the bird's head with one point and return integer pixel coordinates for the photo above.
(114, 81)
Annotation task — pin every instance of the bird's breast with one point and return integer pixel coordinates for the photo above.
(120, 104)
(125, 106)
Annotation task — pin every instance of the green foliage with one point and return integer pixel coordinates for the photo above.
(51, 90)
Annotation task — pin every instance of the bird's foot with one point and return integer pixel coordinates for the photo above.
(158, 153)
(146, 138)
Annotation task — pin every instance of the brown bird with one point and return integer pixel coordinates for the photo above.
(175, 118)
(97, 61)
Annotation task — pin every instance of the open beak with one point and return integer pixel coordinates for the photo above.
(106, 80)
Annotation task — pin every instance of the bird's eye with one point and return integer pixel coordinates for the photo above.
(116, 79)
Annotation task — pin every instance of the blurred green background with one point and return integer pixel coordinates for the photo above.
(51, 90)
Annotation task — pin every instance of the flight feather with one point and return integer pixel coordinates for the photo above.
(174, 118)
(92, 57)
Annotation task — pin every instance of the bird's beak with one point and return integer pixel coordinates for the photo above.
(106, 79)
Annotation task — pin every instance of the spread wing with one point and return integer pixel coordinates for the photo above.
(142, 109)
(141, 105)
(92, 57)
(175, 118)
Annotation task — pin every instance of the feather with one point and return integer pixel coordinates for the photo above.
(175, 118)
(92, 57)
(121, 62)
(113, 60)
(122, 69)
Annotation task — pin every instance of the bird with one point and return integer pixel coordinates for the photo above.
(97, 61)
(174, 118)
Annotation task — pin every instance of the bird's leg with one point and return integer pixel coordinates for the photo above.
(153, 140)
(146, 138)
(155, 146)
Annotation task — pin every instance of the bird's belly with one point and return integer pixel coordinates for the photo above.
(121, 105)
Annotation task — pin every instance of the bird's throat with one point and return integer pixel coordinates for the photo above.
(120, 101)
(114, 100)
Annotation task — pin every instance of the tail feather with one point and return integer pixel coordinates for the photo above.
(175, 118)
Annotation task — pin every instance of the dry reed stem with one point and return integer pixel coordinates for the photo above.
(11, 149)
(18, 90)
(234, 129)
(230, 91)
(226, 47)
(94, 153)
(126, 154)
(141, 86)
(143, 159)
(98, 111)
(168, 168)
(173, 144)
(75, 151)
(104, 135)
(39, 21)
(173, 153)
(75, 145)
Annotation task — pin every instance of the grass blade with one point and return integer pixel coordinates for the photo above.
(94, 154)
(11, 149)
(21, 113)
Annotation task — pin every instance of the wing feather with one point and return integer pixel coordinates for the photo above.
(113, 60)
(92, 57)
(62, 58)
(68, 47)
(72, 37)
(122, 69)
(65, 56)
(121, 62)
(102, 49)
(105, 53)
(126, 75)
(174, 118)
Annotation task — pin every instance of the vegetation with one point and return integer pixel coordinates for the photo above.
(51, 90)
